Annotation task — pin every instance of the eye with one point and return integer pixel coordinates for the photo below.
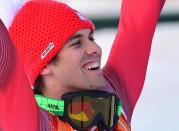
(76, 44)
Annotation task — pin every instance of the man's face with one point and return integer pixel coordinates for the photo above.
(78, 64)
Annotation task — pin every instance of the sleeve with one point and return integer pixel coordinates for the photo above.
(128, 59)
(18, 107)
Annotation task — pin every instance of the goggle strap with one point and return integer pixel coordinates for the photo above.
(55, 106)
(119, 108)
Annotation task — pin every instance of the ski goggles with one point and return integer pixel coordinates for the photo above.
(83, 110)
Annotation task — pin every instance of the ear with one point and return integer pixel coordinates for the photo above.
(46, 70)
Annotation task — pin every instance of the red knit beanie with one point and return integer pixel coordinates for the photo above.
(40, 29)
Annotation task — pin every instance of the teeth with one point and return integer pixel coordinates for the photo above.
(92, 66)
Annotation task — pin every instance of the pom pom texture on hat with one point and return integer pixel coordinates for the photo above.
(40, 29)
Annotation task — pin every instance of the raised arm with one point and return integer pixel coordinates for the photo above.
(18, 110)
(128, 59)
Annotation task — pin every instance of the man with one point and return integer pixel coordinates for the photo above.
(60, 55)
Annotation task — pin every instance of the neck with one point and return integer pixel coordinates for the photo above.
(52, 89)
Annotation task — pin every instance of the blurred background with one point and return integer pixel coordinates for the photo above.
(157, 108)
(158, 105)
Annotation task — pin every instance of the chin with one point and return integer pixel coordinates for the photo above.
(97, 86)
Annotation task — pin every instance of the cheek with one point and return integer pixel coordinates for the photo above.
(69, 66)
(74, 58)
(72, 54)
(70, 60)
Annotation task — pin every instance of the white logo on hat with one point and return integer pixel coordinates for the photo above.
(47, 50)
(82, 17)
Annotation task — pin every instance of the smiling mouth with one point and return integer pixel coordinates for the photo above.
(92, 66)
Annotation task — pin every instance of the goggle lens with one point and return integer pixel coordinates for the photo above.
(82, 110)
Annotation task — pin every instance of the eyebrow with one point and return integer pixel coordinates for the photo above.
(79, 35)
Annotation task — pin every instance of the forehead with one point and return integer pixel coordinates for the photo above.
(82, 32)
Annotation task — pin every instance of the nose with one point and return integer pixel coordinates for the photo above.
(93, 48)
